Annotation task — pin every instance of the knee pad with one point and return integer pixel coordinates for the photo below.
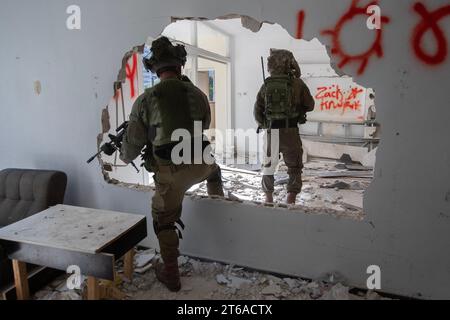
(158, 228)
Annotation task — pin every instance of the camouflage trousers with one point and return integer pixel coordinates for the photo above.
(171, 184)
(287, 142)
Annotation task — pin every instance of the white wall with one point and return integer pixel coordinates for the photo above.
(406, 231)
(317, 73)
(248, 49)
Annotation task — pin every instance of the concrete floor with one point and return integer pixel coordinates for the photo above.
(213, 281)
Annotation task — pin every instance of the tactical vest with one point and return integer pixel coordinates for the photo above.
(279, 101)
(175, 104)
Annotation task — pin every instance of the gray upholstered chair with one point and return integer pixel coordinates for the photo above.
(22, 194)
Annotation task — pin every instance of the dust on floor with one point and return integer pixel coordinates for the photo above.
(214, 281)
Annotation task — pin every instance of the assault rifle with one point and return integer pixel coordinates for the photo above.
(114, 145)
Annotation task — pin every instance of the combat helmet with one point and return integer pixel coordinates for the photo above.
(283, 62)
(165, 54)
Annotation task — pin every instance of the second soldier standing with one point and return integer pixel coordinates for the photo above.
(281, 105)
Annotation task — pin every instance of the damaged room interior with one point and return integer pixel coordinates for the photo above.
(320, 127)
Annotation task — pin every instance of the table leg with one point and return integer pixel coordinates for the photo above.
(93, 289)
(21, 280)
(129, 264)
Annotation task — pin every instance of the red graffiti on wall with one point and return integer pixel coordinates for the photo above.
(337, 48)
(131, 73)
(429, 22)
(300, 23)
(333, 97)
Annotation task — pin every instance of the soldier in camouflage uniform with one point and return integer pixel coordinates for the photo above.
(282, 103)
(174, 103)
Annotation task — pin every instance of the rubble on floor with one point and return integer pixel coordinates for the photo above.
(330, 187)
(327, 188)
(214, 281)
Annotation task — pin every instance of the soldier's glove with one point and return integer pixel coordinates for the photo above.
(108, 149)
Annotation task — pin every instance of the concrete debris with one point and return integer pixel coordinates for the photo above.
(142, 258)
(221, 279)
(356, 185)
(244, 186)
(272, 289)
(214, 281)
(292, 283)
(186, 289)
(232, 197)
(67, 295)
(337, 292)
(182, 260)
(341, 166)
(312, 285)
(372, 295)
(346, 158)
(339, 185)
(356, 167)
(281, 179)
(57, 290)
(196, 266)
(238, 282)
(346, 174)
(274, 279)
(44, 295)
(235, 269)
(143, 269)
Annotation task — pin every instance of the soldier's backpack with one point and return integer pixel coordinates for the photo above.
(279, 104)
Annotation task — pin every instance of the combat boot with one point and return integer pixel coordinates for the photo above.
(291, 197)
(169, 275)
(269, 197)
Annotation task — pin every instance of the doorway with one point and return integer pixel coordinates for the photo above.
(212, 80)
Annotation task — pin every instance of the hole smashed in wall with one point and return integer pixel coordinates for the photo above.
(343, 122)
